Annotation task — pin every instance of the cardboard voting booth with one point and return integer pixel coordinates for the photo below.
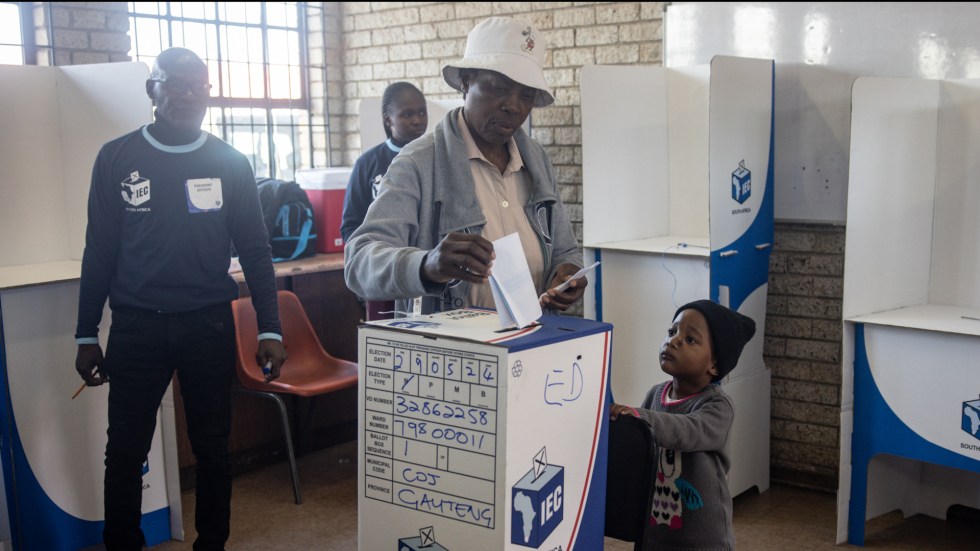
(910, 432)
(477, 439)
(678, 206)
(56, 119)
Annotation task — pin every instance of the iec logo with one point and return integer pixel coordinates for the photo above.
(537, 503)
(135, 190)
(425, 542)
(971, 418)
(741, 183)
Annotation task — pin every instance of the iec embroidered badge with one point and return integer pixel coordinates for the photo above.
(135, 190)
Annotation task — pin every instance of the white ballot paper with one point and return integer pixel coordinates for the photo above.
(510, 281)
(577, 275)
(568, 281)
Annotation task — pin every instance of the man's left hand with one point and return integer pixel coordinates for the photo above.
(271, 352)
(564, 299)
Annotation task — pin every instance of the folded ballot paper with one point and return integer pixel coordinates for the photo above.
(510, 280)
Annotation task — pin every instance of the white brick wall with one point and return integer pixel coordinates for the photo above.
(81, 32)
(385, 42)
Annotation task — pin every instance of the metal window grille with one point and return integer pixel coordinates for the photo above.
(258, 60)
(16, 34)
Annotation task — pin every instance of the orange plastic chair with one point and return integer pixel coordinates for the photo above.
(309, 371)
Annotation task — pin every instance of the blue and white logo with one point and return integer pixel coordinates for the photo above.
(537, 503)
(425, 542)
(971, 418)
(741, 183)
(135, 190)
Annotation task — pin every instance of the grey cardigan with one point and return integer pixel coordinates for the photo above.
(429, 192)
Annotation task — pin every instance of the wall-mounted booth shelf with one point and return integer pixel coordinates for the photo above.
(55, 121)
(910, 404)
(678, 206)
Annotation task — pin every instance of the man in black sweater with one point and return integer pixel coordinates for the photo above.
(165, 205)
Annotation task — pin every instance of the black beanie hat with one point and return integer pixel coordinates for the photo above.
(729, 332)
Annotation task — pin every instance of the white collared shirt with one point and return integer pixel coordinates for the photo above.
(502, 198)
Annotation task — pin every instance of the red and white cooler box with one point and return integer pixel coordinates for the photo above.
(326, 187)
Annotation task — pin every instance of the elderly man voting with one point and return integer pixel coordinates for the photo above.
(426, 239)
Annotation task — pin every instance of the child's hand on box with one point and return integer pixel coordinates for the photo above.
(618, 409)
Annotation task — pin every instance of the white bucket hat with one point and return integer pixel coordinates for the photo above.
(508, 46)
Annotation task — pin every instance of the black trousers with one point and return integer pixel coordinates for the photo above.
(145, 349)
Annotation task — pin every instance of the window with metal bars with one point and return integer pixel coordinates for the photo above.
(258, 62)
(16, 34)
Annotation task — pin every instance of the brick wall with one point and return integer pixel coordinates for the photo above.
(803, 351)
(326, 80)
(76, 33)
(389, 41)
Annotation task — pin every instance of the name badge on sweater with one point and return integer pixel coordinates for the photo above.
(203, 195)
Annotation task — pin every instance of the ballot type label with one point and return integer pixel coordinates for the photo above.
(431, 429)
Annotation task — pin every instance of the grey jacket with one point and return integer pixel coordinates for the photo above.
(429, 192)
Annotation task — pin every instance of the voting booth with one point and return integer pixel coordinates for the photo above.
(678, 206)
(480, 439)
(55, 121)
(910, 405)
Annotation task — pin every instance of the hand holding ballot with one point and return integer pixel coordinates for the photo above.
(511, 284)
(462, 256)
(567, 287)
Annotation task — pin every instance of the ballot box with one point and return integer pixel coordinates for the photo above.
(480, 439)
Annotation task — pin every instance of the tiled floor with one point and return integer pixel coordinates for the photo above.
(783, 518)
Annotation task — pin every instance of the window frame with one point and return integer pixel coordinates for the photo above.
(28, 45)
(220, 118)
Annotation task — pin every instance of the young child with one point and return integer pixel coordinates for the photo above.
(690, 419)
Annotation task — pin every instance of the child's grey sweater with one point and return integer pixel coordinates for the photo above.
(692, 507)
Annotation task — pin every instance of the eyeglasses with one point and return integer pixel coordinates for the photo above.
(178, 86)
